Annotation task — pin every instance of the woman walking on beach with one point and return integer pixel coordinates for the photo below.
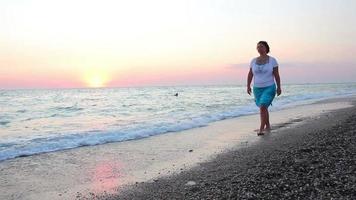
(264, 70)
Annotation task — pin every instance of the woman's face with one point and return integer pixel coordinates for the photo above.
(261, 49)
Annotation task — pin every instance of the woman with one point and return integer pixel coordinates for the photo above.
(264, 69)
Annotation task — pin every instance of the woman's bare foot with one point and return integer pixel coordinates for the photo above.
(267, 130)
(260, 132)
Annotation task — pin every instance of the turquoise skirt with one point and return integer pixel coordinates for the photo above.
(264, 95)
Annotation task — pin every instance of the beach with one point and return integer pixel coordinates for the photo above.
(313, 160)
(225, 159)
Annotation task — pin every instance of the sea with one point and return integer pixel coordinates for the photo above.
(34, 121)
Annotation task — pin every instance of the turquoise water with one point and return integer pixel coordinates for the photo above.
(44, 120)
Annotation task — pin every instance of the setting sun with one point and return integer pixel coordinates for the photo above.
(96, 82)
(96, 79)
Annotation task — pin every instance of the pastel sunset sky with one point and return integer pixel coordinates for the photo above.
(120, 43)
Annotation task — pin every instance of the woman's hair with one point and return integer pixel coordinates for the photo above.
(264, 43)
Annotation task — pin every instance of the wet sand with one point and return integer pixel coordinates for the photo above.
(139, 165)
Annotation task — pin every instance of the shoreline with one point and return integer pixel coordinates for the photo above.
(105, 168)
(314, 160)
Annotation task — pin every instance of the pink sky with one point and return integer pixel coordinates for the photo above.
(65, 44)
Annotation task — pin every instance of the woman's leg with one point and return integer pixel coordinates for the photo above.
(268, 97)
(263, 116)
(268, 126)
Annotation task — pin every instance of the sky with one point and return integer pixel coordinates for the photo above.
(124, 43)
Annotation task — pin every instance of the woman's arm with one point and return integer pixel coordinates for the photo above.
(249, 80)
(278, 80)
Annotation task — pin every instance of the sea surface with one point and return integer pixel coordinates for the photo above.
(35, 121)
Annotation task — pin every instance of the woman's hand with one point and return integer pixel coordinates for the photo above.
(279, 91)
(248, 90)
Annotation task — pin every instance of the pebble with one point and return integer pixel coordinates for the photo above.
(190, 183)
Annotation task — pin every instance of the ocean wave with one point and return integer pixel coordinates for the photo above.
(63, 140)
(5, 122)
(68, 108)
(95, 137)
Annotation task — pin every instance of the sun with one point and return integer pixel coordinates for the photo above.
(96, 79)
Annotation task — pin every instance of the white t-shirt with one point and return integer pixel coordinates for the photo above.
(263, 74)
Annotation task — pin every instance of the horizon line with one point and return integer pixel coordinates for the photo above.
(153, 86)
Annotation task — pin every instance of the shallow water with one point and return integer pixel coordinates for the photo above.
(44, 120)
